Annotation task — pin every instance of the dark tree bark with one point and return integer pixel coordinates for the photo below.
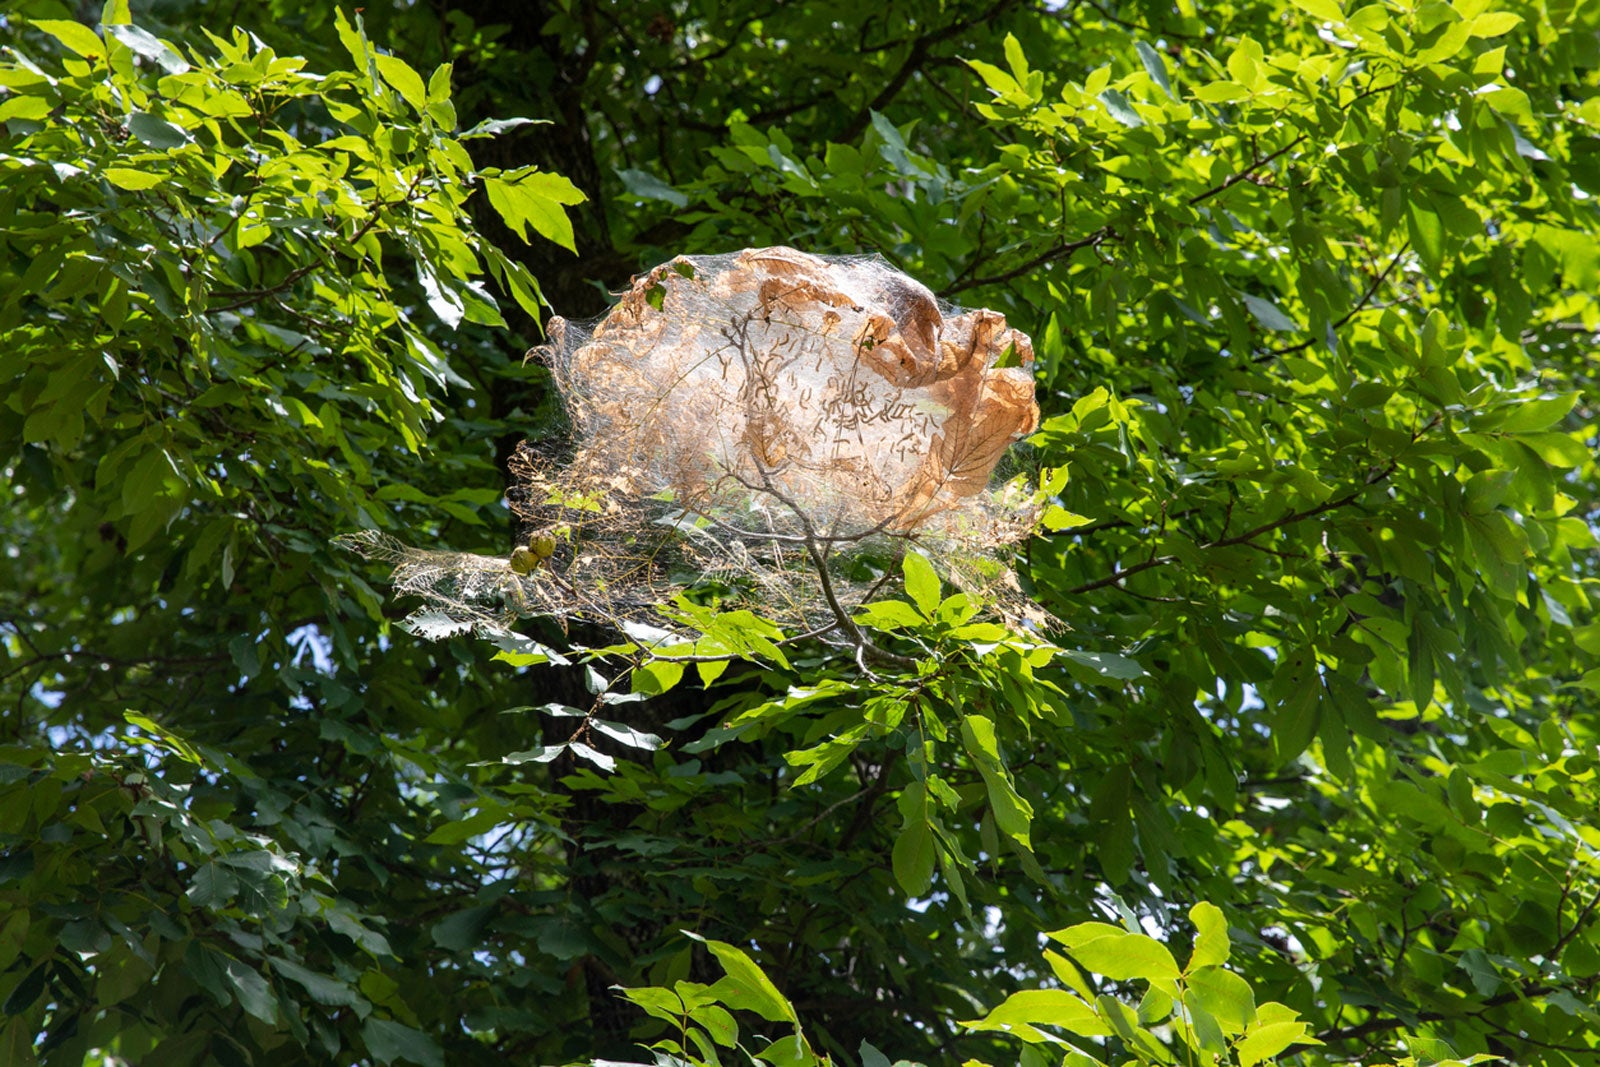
(552, 87)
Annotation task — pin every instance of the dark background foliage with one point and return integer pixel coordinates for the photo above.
(1312, 292)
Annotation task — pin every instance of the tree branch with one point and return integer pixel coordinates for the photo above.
(915, 58)
(1099, 237)
(1249, 535)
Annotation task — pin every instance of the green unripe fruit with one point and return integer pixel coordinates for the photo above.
(542, 545)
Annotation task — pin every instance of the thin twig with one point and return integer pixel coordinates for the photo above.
(1244, 175)
(246, 297)
(817, 548)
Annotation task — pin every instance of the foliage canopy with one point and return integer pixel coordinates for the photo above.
(1312, 293)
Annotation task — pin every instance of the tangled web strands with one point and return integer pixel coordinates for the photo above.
(739, 421)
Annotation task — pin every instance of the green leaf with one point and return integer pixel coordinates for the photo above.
(16, 1042)
(1115, 953)
(1220, 92)
(1224, 996)
(1296, 694)
(533, 198)
(13, 935)
(647, 186)
(491, 127)
(893, 147)
(74, 35)
(599, 759)
(165, 738)
(1120, 109)
(871, 1056)
(343, 922)
(913, 854)
(1447, 45)
(255, 994)
(1534, 416)
(1211, 944)
(524, 289)
(354, 39)
(890, 615)
(30, 108)
(452, 833)
(746, 986)
(405, 81)
(1485, 979)
(156, 132)
(463, 931)
(542, 754)
(1124, 1022)
(146, 44)
(1264, 1042)
(922, 583)
(996, 79)
(1268, 314)
(329, 992)
(133, 180)
(212, 886)
(718, 1023)
(1154, 65)
(1044, 1007)
(84, 936)
(439, 84)
(627, 734)
(1015, 59)
(389, 1041)
(1327, 10)
(788, 1051)
(1558, 450)
(1107, 663)
(1013, 816)
(1495, 23)
(1058, 518)
(1427, 236)
(657, 676)
(1207, 1031)
(442, 297)
(26, 992)
(563, 938)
